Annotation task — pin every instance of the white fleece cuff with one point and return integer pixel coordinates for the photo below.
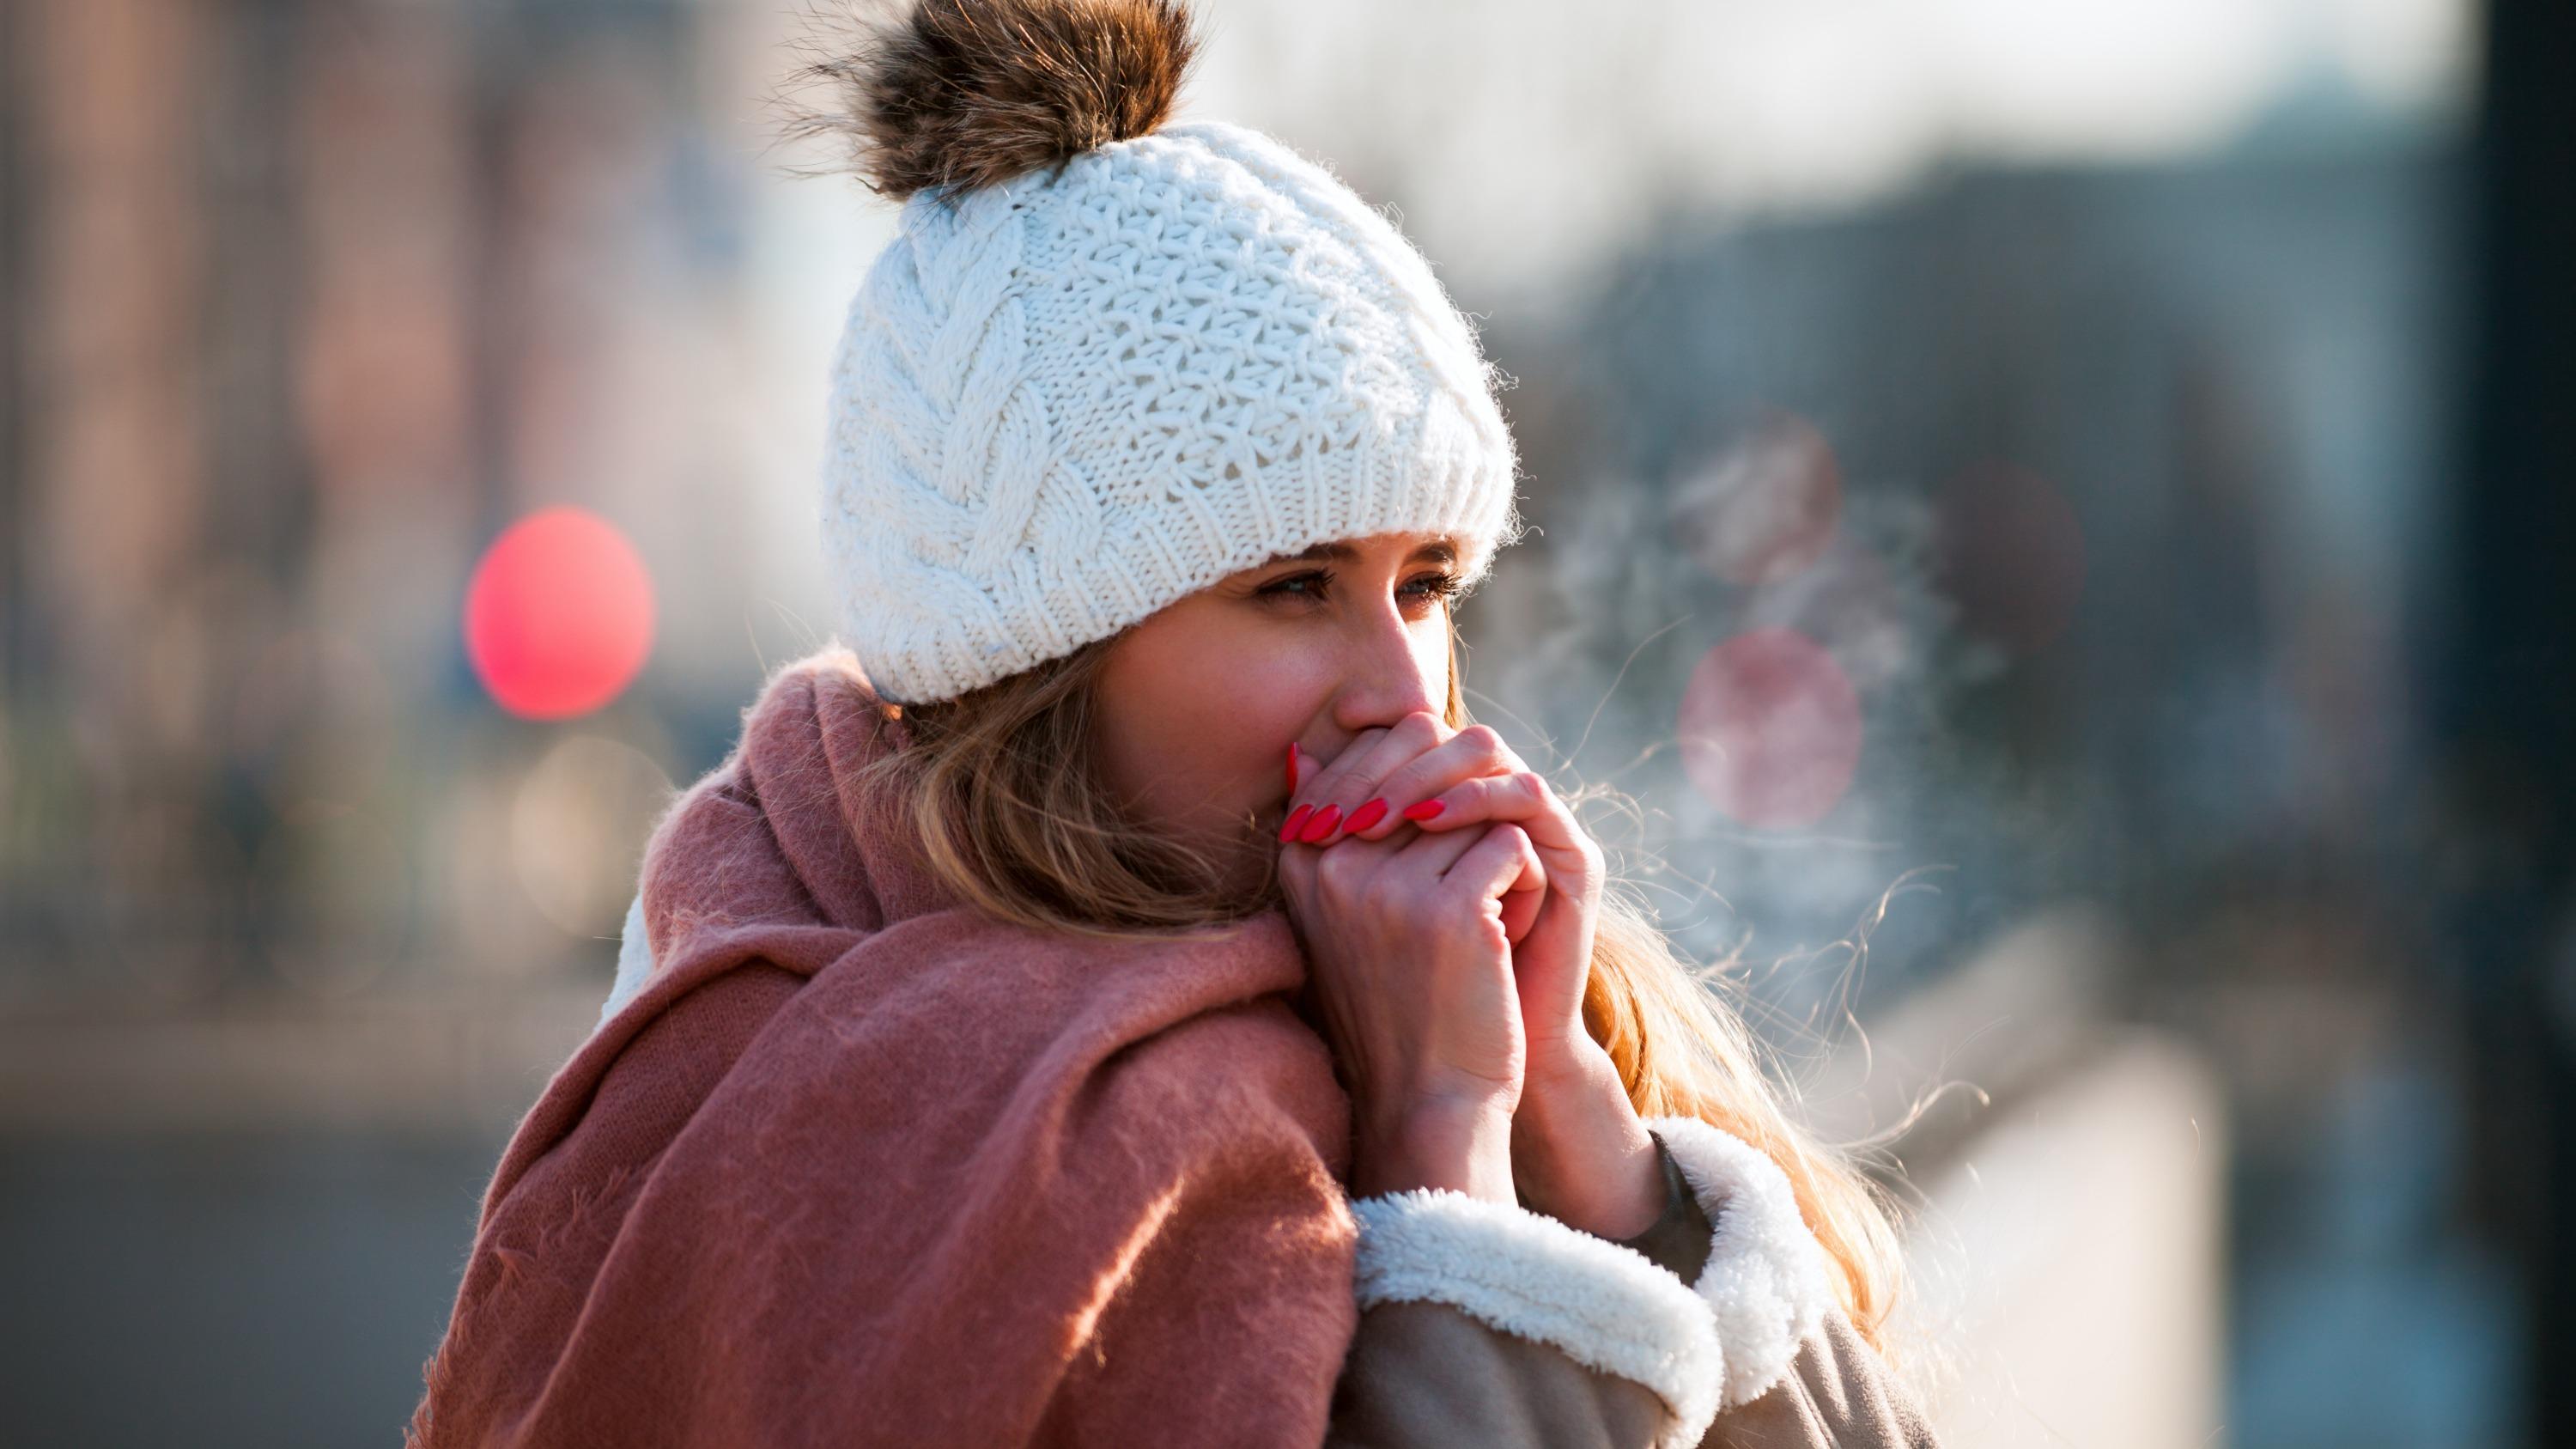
(1607, 1307)
(1767, 1282)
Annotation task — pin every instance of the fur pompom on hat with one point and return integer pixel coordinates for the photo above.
(1108, 360)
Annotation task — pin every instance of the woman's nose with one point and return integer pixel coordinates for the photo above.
(1391, 669)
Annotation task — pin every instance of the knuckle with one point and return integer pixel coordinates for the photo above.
(1340, 870)
(1386, 894)
(1481, 738)
(1588, 874)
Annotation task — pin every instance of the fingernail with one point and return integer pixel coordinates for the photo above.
(1292, 767)
(1366, 816)
(1322, 825)
(1423, 810)
(1296, 818)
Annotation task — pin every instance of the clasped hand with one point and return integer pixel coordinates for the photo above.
(1447, 900)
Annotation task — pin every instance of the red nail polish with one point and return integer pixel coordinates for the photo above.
(1296, 817)
(1322, 825)
(1423, 810)
(1366, 816)
(1292, 767)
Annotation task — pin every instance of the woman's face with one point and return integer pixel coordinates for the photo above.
(1197, 704)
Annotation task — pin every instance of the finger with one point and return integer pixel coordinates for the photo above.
(1397, 745)
(1501, 861)
(1471, 752)
(1418, 867)
(1520, 913)
(1525, 895)
(1522, 797)
(1423, 858)
(1315, 780)
(1340, 792)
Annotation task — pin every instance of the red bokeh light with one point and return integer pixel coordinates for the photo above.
(559, 615)
(1770, 729)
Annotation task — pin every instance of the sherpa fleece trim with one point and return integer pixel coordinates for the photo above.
(634, 962)
(1608, 1307)
(1766, 1282)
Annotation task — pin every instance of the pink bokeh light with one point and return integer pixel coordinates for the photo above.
(1770, 729)
(558, 615)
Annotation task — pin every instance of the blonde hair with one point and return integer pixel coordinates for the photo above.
(1017, 831)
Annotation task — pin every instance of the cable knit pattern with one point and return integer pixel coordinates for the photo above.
(1062, 402)
(1766, 1281)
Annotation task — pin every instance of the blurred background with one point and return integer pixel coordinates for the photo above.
(2052, 516)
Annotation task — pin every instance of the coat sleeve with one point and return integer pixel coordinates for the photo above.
(1837, 1391)
(1462, 1343)
(1500, 1328)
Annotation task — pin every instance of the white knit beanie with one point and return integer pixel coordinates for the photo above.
(1106, 362)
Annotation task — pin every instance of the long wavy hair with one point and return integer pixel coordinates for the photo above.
(1001, 790)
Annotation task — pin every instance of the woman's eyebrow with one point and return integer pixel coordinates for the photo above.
(1439, 550)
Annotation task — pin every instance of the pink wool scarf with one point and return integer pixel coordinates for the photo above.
(861, 1165)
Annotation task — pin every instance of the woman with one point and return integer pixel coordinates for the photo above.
(1121, 999)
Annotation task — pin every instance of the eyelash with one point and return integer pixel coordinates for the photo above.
(1435, 586)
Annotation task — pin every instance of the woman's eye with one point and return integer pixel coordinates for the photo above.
(1315, 585)
(1287, 588)
(1437, 586)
